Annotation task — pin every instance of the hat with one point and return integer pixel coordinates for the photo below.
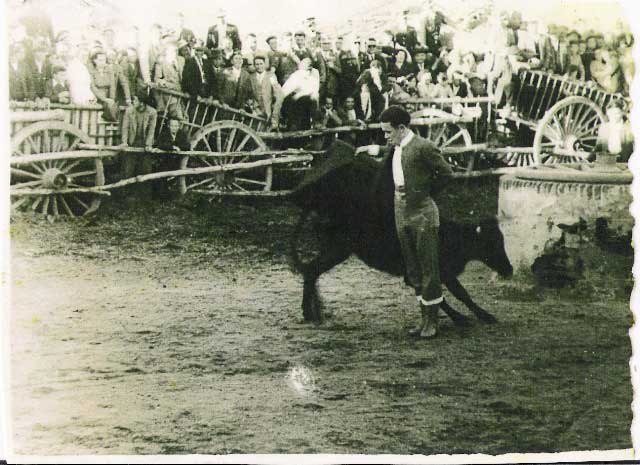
(311, 18)
(420, 50)
(270, 38)
(300, 33)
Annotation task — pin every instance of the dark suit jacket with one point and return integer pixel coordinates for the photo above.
(130, 125)
(192, 82)
(38, 78)
(237, 93)
(213, 41)
(368, 58)
(166, 142)
(329, 76)
(408, 39)
(425, 171)
(19, 86)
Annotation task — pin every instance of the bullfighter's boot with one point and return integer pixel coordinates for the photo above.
(429, 320)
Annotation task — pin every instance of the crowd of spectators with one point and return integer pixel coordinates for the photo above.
(305, 78)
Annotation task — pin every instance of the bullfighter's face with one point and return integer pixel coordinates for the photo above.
(393, 135)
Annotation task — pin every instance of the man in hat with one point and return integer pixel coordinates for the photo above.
(195, 76)
(223, 29)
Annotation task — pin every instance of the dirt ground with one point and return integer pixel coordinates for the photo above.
(171, 328)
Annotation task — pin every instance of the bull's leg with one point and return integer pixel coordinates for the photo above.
(461, 294)
(335, 250)
(458, 318)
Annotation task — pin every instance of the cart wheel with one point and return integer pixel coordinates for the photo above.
(445, 135)
(54, 137)
(568, 131)
(226, 136)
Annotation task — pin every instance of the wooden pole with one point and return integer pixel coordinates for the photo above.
(197, 153)
(70, 155)
(35, 116)
(87, 190)
(206, 170)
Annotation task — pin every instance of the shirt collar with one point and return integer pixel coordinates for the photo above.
(405, 141)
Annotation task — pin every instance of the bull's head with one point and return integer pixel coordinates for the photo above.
(491, 249)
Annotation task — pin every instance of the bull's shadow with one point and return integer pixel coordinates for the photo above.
(347, 205)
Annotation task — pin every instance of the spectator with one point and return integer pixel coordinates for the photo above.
(372, 85)
(265, 87)
(168, 75)
(442, 87)
(39, 73)
(19, 87)
(408, 37)
(130, 66)
(123, 92)
(425, 86)
(588, 56)
(185, 33)
(299, 98)
(330, 117)
(625, 47)
(249, 53)
(79, 78)
(347, 79)
(332, 70)
(138, 130)
(372, 54)
(237, 83)
(606, 71)
(57, 90)
(401, 68)
(103, 85)
(215, 89)
(196, 74)
(300, 49)
(575, 60)
(171, 139)
(459, 88)
(227, 51)
(221, 30)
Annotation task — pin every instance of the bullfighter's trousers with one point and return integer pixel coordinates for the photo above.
(417, 230)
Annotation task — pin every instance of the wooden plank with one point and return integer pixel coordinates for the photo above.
(35, 116)
(283, 193)
(199, 153)
(39, 192)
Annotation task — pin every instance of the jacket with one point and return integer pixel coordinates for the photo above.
(130, 125)
(425, 171)
(265, 92)
(213, 41)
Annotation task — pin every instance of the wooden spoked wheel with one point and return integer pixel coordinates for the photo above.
(236, 139)
(445, 136)
(34, 184)
(568, 131)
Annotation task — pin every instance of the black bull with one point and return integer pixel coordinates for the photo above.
(350, 210)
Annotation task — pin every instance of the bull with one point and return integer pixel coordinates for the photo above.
(348, 210)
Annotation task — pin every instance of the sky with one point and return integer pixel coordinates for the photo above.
(265, 17)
